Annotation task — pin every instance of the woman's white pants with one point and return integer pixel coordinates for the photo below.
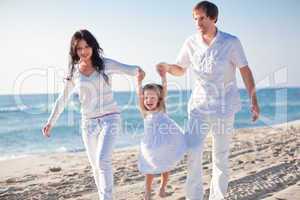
(99, 136)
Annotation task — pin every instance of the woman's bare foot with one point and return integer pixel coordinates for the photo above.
(162, 192)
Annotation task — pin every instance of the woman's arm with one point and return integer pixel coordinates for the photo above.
(59, 106)
(115, 67)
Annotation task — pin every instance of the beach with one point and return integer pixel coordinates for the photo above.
(264, 164)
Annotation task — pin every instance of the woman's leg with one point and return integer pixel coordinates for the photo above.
(111, 126)
(163, 183)
(148, 186)
(99, 148)
(90, 140)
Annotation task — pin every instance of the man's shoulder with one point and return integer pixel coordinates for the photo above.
(228, 37)
(191, 38)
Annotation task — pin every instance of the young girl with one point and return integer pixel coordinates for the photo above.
(163, 143)
(90, 75)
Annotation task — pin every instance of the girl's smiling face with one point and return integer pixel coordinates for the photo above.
(150, 100)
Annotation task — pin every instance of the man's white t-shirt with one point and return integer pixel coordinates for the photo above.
(214, 66)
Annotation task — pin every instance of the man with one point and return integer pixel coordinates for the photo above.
(214, 57)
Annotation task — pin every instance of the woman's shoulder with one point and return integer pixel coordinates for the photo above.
(108, 61)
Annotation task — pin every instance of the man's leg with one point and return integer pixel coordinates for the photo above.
(222, 129)
(198, 129)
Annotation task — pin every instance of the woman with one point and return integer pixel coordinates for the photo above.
(89, 74)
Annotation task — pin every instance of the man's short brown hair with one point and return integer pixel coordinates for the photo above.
(209, 8)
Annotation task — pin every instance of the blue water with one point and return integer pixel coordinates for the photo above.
(21, 119)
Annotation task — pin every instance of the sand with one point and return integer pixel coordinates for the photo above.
(264, 164)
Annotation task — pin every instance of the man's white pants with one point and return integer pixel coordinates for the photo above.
(99, 136)
(221, 129)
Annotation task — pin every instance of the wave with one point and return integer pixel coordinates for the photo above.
(13, 156)
(39, 108)
(14, 108)
(62, 149)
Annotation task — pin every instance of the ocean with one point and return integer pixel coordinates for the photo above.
(22, 117)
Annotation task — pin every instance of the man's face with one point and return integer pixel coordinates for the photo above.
(202, 21)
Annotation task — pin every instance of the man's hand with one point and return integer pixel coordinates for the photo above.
(255, 111)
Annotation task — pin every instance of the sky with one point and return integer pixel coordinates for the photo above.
(35, 37)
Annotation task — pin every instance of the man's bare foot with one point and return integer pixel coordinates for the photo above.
(162, 192)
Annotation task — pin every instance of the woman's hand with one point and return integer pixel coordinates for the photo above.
(140, 75)
(46, 130)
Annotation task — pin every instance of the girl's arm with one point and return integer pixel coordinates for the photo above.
(140, 76)
(163, 76)
(59, 106)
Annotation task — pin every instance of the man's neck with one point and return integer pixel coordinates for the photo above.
(210, 35)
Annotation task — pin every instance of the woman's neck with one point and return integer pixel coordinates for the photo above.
(86, 65)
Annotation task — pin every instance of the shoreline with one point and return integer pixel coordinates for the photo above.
(264, 164)
(135, 146)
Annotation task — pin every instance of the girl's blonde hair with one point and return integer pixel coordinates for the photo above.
(160, 93)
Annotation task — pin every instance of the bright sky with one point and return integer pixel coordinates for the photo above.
(35, 38)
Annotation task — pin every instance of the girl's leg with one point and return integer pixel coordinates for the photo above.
(148, 186)
(163, 183)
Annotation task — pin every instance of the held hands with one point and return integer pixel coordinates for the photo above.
(140, 75)
(162, 69)
(46, 130)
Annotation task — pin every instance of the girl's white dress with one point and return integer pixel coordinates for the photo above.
(162, 146)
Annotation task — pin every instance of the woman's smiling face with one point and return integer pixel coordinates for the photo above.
(84, 51)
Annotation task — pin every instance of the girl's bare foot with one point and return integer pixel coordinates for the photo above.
(147, 195)
(162, 192)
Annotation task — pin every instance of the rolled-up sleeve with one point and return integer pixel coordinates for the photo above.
(238, 56)
(183, 59)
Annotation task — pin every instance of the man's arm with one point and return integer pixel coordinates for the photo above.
(250, 85)
(172, 69)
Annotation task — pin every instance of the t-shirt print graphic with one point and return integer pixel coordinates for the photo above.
(204, 62)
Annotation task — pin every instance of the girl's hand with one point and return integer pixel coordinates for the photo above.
(46, 130)
(162, 68)
(140, 75)
(163, 74)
